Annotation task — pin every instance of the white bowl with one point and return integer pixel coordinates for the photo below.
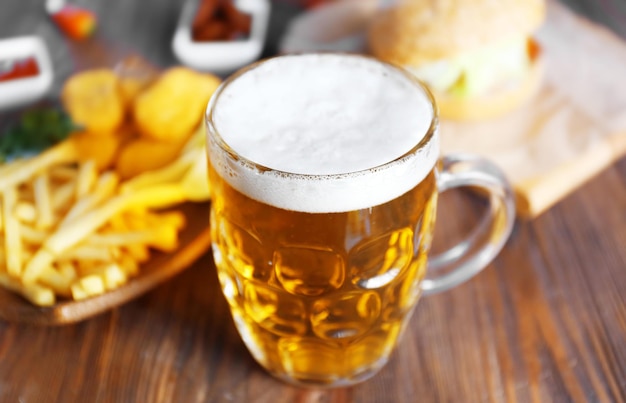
(337, 26)
(221, 57)
(22, 91)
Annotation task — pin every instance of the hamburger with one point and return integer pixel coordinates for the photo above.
(478, 57)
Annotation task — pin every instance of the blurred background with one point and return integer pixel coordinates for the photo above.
(125, 27)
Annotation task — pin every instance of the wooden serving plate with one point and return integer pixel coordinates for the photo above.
(195, 240)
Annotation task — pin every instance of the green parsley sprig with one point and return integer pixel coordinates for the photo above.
(35, 130)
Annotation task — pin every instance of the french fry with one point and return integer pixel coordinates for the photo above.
(85, 267)
(69, 235)
(112, 274)
(35, 293)
(195, 184)
(63, 196)
(155, 197)
(169, 173)
(92, 284)
(132, 220)
(130, 264)
(174, 219)
(56, 281)
(102, 253)
(78, 292)
(33, 235)
(38, 295)
(104, 188)
(121, 223)
(43, 202)
(14, 166)
(62, 152)
(12, 237)
(67, 269)
(87, 174)
(137, 252)
(164, 238)
(63, 173)
(25, 212)
(40, 260)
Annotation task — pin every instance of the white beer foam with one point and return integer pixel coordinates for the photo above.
(329, 125)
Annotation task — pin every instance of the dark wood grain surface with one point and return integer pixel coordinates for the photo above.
(545, 322)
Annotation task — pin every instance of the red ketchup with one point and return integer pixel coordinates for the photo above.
(18, 68)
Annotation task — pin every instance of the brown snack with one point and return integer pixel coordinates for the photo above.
(93, 99)
(219, 20)
(171, 108)
(141, 155)
(473, 55)
(102, 151)
(135, 75)
(239, 21)
(213, 31)
(204, 13)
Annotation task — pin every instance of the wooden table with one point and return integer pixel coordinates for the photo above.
(545, 322)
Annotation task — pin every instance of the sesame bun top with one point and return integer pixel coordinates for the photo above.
(420, 31)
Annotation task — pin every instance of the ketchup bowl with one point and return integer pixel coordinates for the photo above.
(25, 71)
(221, 56)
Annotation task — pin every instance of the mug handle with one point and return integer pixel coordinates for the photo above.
(464, 260)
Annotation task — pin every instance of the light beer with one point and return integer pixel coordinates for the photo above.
(323, 179)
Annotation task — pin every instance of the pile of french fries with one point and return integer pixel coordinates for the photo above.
(79, 219)
(70, 231)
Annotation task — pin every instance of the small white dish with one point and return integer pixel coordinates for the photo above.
(221, 57)
(18, 92)
(338, 26)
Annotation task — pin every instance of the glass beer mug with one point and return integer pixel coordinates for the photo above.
(325, 172)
